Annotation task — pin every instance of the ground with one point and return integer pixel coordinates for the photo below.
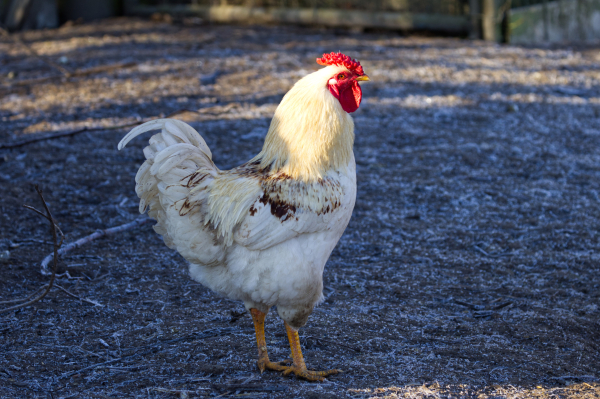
(470, 267)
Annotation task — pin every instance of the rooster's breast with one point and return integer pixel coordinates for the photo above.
(280, 248)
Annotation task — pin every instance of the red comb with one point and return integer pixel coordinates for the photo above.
(340, 59)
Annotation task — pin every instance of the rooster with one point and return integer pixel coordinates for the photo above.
(262, 232)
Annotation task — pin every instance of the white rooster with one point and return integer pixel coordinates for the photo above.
(262, 232)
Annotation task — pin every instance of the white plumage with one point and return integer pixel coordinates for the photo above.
(261, 232)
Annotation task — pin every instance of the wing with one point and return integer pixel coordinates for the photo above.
(267, 225)
(286, 209)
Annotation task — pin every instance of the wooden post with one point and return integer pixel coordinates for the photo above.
(475, 13)
(17, 12)
(505, 25)
(488, 20)
(31, 14)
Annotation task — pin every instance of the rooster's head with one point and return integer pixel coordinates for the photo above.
(344, 85)
(312, 131)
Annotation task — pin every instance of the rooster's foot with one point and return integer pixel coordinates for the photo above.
(299, 367)
(310, 375)
(263, 356)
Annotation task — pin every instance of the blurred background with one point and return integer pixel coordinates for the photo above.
(514, 21)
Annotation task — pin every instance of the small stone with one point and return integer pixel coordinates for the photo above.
(4, 256)
(512, 108)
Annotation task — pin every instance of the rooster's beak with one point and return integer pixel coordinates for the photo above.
(362, 78)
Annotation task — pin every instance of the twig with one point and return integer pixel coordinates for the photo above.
(25, 299)
(63, 134)
(502, 306)
(92, 237)
(78, 297)
(32, 240)
(469, 305)
(82, 130)
(62, 236)
(493, 255)
(78, 73)
(54, 255)
(103, 68)
(203, 335)
(483, 313)
(87, 351)
(93, 366)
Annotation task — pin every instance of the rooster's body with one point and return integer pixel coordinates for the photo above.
(261, 232)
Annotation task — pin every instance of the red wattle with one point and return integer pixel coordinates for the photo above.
(351, 97)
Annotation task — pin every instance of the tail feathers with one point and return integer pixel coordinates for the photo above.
(173, 131)
(175, 155)
(177, 159)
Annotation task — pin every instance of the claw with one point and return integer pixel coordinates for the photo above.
(266, 364)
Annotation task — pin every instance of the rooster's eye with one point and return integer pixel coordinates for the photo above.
(341, 76)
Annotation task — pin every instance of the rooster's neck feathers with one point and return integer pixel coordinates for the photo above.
(310, 133)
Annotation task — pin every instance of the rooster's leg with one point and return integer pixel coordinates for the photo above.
(299, 367)
(258, 318)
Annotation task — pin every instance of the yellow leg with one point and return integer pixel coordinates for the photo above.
(299, 367)
(258, 318)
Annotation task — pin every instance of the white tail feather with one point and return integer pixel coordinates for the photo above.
(174, 129)
(172, 157)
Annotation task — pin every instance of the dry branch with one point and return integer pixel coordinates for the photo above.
(53, 256)
(27, 298)
(78, 73)
(82, 130)
(492, 255)
(92, 237)
(78, 297)
(63, 134)
(215, 332)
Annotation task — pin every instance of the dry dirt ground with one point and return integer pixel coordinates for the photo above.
(470, 267)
